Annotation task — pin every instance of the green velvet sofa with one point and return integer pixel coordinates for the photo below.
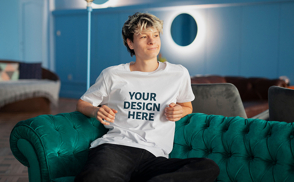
(250, 150)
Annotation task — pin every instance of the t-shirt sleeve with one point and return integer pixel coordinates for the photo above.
(186, 93)
(97, 93)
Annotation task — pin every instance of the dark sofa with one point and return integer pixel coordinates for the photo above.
(253, 91)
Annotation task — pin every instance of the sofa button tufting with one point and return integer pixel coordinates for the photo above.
(246, 131)
(228, 155)
(190, 148)
(292, 136)
(187, 122)
(206, 125)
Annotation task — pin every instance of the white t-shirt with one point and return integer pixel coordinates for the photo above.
(140, 99)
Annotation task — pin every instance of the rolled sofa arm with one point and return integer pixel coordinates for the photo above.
(54, 146)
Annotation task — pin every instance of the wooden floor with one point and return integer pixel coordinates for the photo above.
(10, 169)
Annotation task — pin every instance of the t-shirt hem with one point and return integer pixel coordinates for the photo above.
(156, 154)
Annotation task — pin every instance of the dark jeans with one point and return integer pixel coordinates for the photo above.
(117, 163)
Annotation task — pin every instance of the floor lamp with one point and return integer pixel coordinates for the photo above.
(89, 8)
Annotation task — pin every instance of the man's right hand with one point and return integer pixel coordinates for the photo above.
(104, 114)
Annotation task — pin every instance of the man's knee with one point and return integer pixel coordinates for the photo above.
(204, 165)
(208, 167)
(89, 175)
(98, 175)
(213, 167)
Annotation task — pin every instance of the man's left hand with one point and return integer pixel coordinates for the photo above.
(174, 112)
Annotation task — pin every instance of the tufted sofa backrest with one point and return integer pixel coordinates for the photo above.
(245, 149)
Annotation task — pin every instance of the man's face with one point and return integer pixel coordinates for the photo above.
(146, 44)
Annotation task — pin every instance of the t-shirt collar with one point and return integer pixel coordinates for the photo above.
(161, 66)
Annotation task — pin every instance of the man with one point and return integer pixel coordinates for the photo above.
(140, 102)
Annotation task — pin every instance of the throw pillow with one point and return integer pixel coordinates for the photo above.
(30, 71)
(9, 71)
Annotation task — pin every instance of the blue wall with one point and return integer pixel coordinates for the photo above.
(9, 30)
(23, 31)
(251, 40)
(239, 37)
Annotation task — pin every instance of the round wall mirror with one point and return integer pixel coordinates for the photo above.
(184, 29)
